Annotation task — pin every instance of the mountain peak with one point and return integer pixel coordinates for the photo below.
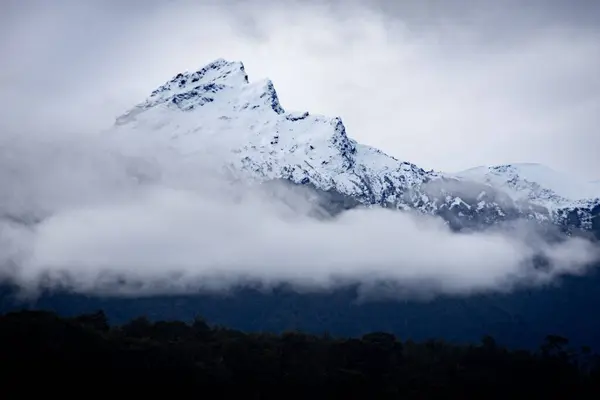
(219, 71)
(224, 111)
(192, 90)
(216, 110)
(215, 74)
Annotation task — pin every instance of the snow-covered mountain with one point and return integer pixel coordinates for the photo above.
(217, 110)
(536, 183)
(569, 200)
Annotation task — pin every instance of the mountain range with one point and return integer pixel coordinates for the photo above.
(217, 109)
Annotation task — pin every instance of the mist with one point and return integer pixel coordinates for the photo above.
(80, 213)
(420, 80)
(417, 79)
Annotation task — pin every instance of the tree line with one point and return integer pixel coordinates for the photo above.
(197, 356)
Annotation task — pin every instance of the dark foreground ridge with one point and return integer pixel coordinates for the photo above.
(196, 356)
(520, 319)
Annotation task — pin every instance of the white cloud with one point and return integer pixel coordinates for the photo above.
(439, 96)
(199, 231)
(423, 89)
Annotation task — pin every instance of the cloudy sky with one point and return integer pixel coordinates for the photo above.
(444, 84)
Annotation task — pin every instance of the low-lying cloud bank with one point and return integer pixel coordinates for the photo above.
(77, 214)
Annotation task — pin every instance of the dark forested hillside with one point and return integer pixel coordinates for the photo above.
(196, 356)
(518, 320)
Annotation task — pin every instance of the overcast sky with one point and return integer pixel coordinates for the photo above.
(444, 84)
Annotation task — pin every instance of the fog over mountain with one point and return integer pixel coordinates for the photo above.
(131, 212)
(447, 85)
(223, 185)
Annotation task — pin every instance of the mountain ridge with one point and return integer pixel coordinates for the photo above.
(217, 107)
(534, 182)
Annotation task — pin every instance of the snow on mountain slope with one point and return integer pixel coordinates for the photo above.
(216, 109)
(217, 112)
(535, 183)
